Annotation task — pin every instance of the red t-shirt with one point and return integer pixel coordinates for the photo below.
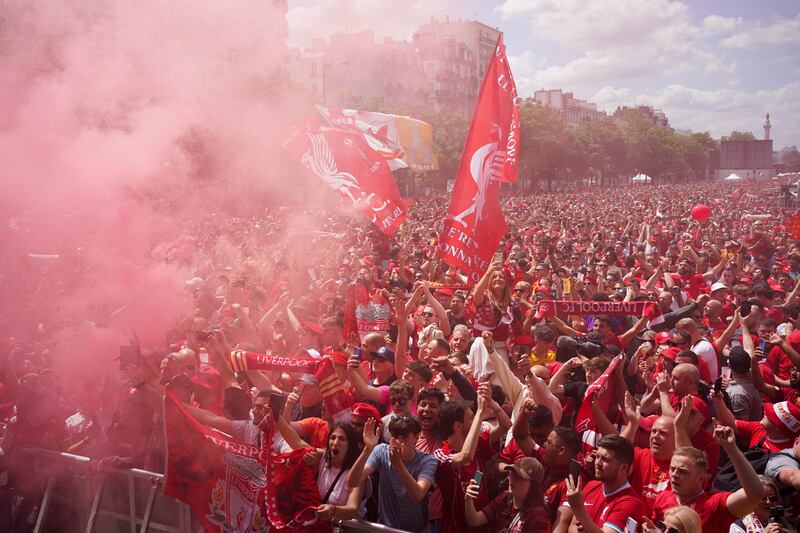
(691, 284)
(512, 453)
(453, 484)
(780, 363)
(614, 508)
(712, 508)
(649, 477)
(705, 442)
(754, 432)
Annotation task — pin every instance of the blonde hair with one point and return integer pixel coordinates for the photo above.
(688, 520)
(698, 456)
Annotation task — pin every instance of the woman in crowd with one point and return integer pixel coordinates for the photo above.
(519, 510)
(758, 520)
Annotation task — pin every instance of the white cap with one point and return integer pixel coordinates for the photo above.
(717, 286)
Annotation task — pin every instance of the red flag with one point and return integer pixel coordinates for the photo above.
(220, 478)
(604, 385)
(346, 163)
(474, 224)
(792, 225)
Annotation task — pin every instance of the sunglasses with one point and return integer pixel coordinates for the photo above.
(427, 315)
(771, 499)
(665, 529)
(399, 401)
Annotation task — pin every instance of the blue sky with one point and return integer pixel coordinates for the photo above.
(711, 66)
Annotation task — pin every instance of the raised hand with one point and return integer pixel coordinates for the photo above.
(370, 434)
(724, 435)
(632, 413)
(574, 492)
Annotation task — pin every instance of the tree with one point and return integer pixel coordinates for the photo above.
(739, 136)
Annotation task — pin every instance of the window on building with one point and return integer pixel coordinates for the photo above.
(314, 70)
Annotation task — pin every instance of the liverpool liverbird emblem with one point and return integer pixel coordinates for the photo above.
(321, 162)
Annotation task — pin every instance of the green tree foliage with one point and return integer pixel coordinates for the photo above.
(739, 136)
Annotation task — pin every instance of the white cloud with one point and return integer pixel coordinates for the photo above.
(617, 39)
(716, 25)
(320, 18)
(718, 111)
(756, 34)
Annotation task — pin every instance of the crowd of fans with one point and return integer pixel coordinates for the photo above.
(465, 404)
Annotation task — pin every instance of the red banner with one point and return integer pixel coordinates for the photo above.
(589, 307)
(242, 361)
(347, 164)
(604, 386)
(475, 224)
(221, 479)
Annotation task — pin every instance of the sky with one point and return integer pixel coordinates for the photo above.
(713, 66)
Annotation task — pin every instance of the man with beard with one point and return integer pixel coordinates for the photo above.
(607, 502)
(455, 315)
(428, 402)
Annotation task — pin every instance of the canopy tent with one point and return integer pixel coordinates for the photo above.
(641, 178)
(733, 177)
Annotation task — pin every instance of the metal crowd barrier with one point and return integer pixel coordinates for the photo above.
(80, 498)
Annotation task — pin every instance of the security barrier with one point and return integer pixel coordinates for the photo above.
(79, 497)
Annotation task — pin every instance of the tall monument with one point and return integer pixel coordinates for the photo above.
(767, 127)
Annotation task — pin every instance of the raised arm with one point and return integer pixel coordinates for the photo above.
(356, 375)
(467, 453)
(441, 314)
(743, 501)
(479, 292)
(360, 469)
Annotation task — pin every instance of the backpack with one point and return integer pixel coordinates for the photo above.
(726, 479)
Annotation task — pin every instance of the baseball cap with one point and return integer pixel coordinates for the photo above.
(663, 337)
(385, 353)
(527, 468)
(718, 286)
(700, 405)
(208, 378)
(365, 411)
(671, 353)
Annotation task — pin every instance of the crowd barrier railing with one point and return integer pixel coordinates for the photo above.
(80, 497)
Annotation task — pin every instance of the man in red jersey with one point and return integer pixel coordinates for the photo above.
(606, 503)
(688, 473)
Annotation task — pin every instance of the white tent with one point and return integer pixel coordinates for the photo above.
(641, 178)
(733, 177)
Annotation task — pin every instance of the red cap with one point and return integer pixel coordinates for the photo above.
(747, 280)
(794, 339)
(671, 353)
(785, 416)
(663, 337)
(366, 411)
(524, 340)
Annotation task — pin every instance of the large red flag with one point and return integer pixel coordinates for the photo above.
(474, 224)
(234, 487)
(220, 478)
(346, 163)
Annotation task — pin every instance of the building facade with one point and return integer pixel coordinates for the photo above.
(574, 111)
(443, 65)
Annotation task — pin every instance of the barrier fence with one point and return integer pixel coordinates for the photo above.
(79, 497)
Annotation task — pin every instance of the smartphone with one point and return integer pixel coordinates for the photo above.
(575, 469)
(478, 477)
(128, 357)
(726, 372)
(357, 351)
(631, 525)
(203, 355)
(498, 257)
(276, 403)
(718, 385)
